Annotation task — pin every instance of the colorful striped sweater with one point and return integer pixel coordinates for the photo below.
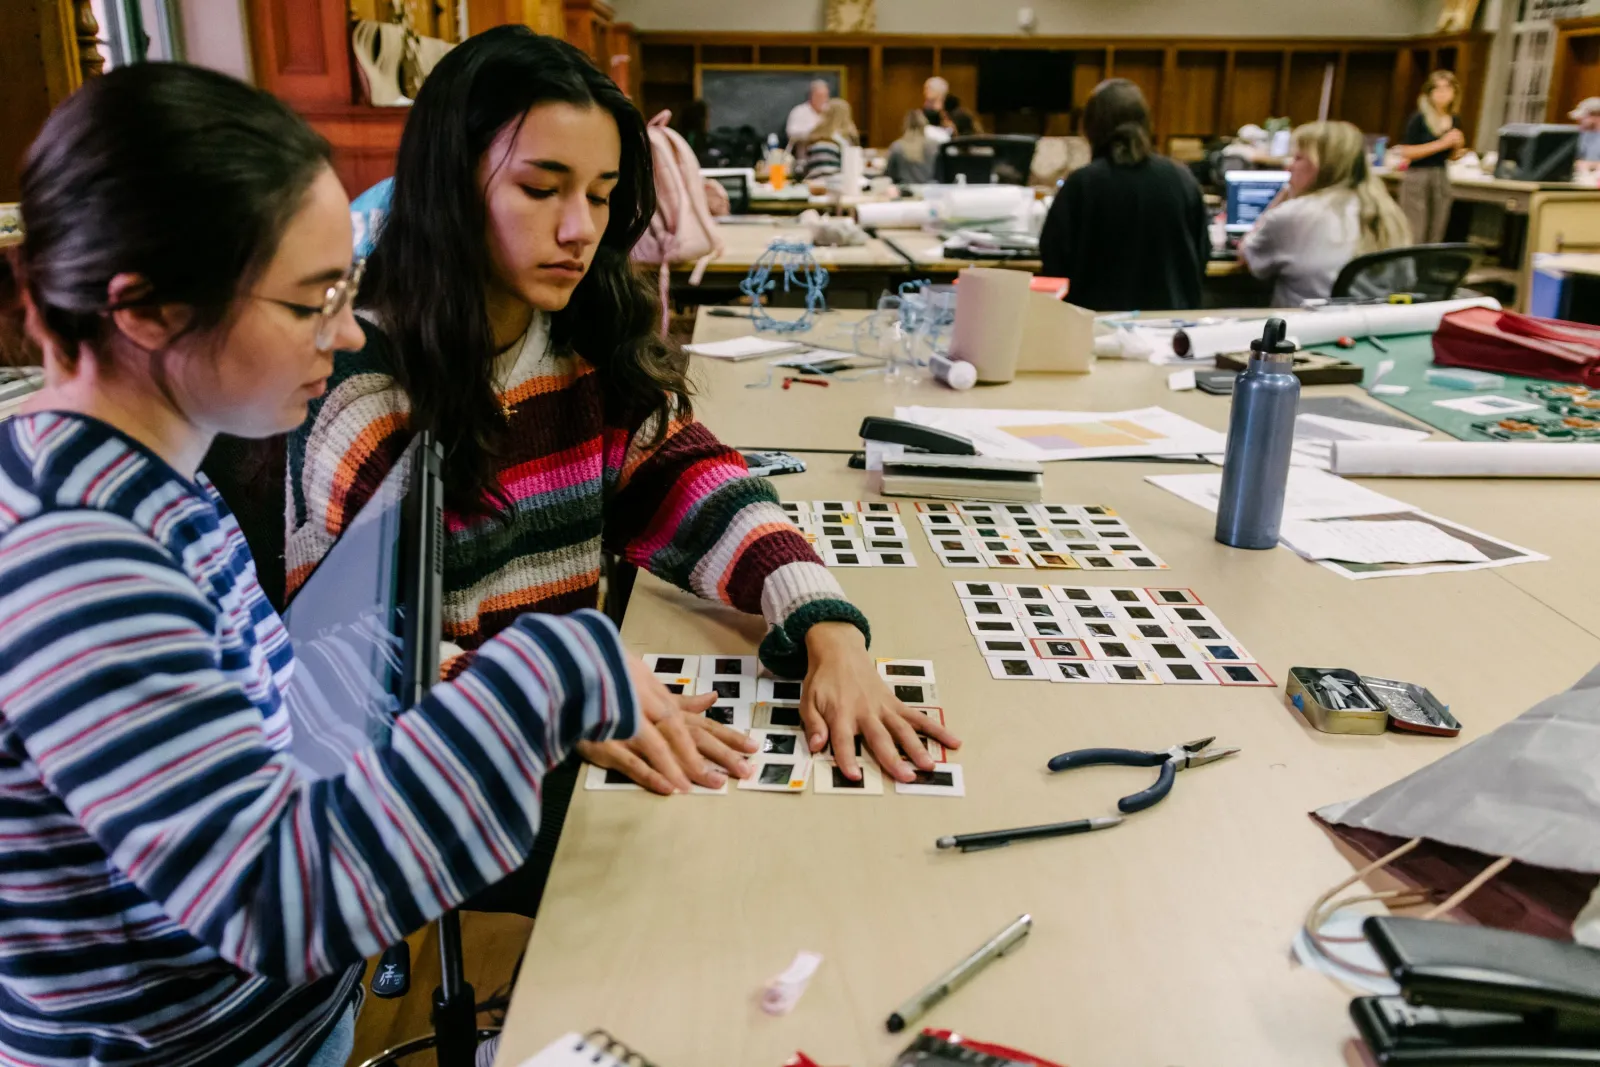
(174, 889)
(685, 509)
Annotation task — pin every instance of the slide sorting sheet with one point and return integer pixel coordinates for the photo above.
(848, 533)
(767, 708)
(1034, 536)
(1121, 636)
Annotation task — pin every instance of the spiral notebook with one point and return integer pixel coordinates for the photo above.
(595, 1049)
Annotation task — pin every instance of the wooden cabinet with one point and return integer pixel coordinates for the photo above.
(1196, 87)
(301, 50)
(1575, 72)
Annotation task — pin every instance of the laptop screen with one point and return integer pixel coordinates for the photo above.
(1249, 193)
(348, 627)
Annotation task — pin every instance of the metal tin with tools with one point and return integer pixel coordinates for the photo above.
(1413, 708)
(1336, 701)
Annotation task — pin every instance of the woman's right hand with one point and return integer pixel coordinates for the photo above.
(1453, 138)
(676, 745)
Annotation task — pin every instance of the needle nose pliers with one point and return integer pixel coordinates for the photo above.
(1171, 761)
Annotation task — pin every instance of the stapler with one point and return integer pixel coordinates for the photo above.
(914, 437)
(1470, 995)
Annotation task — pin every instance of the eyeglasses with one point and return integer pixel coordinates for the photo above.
(340, 295)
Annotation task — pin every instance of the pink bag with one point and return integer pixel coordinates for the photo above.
(682, 230)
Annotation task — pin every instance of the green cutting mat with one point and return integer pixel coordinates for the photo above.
(1413, 355)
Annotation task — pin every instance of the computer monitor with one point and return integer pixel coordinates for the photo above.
(366, 624)
(1249, 193)
(1537, 152)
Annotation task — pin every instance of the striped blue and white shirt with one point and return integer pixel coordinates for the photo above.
(174, 888)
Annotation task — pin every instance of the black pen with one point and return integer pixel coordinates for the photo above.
(1002, 838)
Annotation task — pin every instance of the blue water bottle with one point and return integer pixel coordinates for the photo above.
(1255, 472)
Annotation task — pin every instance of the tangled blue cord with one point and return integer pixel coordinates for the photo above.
(799, 267)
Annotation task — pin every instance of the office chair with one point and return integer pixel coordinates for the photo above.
(1004, 158)
(1435, 271)
(737, 181)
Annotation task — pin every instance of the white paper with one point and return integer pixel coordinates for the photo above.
(1488, 405)
(1499, 553)
(1044, 436)
(1376, 542)
(739, 348)
(1311, 494)
(1466, 459)
(1181, 381)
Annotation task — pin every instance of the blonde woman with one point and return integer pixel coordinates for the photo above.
(1431, 138)
(1333, 210)
(911, 157)
(826, 144)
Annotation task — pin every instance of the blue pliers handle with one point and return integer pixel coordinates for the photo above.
(1171, 761)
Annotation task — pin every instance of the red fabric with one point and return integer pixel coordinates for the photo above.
(1508, 343)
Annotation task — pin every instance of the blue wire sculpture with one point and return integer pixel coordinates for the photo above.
(799, 268)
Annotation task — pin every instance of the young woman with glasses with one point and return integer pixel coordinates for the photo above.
(174, 888)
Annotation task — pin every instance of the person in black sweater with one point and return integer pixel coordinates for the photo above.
(1129, 230)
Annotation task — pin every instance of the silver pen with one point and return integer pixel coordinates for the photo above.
(958, 976)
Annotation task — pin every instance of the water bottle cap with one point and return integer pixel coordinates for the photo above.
(1272, 345)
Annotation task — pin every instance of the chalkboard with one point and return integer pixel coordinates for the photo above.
(761, 97)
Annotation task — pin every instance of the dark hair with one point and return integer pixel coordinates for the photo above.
(432, 243)
(1117, 122)
(179, 174)
(934, 116)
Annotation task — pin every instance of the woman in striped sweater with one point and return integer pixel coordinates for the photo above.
(174, 887)
(504, 315)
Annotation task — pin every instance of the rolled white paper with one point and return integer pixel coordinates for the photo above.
(1320, 327)
(1465, 459)
(991, 315)
(896, 214)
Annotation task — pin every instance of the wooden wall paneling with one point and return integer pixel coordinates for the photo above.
(959, 67)
(900, 88)
(726, 53)
(365, 141)
(1368, 97)
(1166, 103)
(1280, 94)
(1255, 87)
(1306, 73)
(1341, 70)
(1198, 93)
(1575, 74)
(875, 128)
(1143, 67)
(857, 63)
(301, 50)
(1090, 67)
(788, 55)
(1402, 98)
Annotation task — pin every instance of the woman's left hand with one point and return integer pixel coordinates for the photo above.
(844, 696)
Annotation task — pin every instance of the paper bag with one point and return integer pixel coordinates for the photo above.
(1527, 791)
(1058, 337)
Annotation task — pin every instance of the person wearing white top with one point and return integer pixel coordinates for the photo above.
(1332, 210)
(804, 118)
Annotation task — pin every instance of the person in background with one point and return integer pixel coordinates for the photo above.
(935, 131)
(934, 91)
(963, 123)
(1430, 139)
(804, 118)
(1587, 116)
(522, 182)
(175, 887)
(824, 148)
(1129, 229)
(1333, 210)
(911, 157)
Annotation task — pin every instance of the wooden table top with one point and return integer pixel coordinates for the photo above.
(1163, 941)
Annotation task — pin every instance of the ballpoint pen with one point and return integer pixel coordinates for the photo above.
(959, 975)
(1002, 838)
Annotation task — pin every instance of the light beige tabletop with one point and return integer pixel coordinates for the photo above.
(1161, 942)
(745, 242)
(1541, 515)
